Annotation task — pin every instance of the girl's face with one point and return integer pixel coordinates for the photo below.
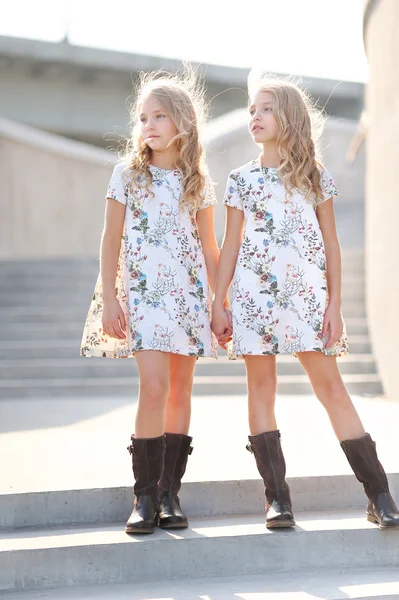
(157, 128)
(262, 124)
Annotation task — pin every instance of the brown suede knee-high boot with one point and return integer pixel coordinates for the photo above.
(177, 449)
(362, 457)
(147, 460)
(271, 465)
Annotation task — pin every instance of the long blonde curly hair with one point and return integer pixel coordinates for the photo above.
(182, 96)
(300, 125)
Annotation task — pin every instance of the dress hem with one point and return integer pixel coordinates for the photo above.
(104, 354)
(235, 356)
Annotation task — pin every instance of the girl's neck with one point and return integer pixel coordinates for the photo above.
(164, 160)
(270, 157)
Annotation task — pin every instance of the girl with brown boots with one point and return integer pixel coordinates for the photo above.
(281, 260)
(152, 300)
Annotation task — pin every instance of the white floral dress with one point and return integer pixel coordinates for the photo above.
(161, 281)
(278, 293)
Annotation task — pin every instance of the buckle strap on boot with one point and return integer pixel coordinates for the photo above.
(130, 448)
(251, 448)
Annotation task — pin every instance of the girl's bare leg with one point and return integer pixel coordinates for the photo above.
(329, 388)
(262, 383)
(154, 375)
(178, 406)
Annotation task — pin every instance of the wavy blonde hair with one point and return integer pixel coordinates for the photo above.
(182, 96)
(300, 125)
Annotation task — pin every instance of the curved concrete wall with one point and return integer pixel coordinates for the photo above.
(52, 193)
(382, 185)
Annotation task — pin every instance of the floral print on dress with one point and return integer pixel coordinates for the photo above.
(278, 293)
(161, 280)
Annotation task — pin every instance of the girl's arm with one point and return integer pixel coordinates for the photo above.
(113, 318)
(227, 263)
(206, 232)
(333, 323)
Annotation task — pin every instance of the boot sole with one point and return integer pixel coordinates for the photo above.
(136, 530)
(372, 519)
(177, 525)
(173, 526)
(280, 524)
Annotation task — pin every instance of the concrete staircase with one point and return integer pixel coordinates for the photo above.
(75, 538)
(43, 305)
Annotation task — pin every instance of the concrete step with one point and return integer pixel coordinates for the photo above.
(49, 368)
(56, 268)
(54, 286)
(352, 584)
(364, 383)
(382, 584)
(199, 499)
(42, 331)
(39, 314)
(236, 545)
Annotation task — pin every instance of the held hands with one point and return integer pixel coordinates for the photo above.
(333, 326)
(222, 324)
(114, 322)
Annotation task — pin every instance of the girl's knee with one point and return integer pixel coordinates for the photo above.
(332, 392)
(154, 391)
(181, 388)
(262, 380)
(264, 388)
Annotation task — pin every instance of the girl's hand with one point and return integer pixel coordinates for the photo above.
(114, 322)
(333, 326)
(226, 337)
(221, 324)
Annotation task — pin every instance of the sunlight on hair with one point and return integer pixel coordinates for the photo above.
(300, 123)
(182, 96)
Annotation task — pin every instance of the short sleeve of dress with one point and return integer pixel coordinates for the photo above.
(209, 195)
(328, 187)
(232, 196)
(118, 185)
